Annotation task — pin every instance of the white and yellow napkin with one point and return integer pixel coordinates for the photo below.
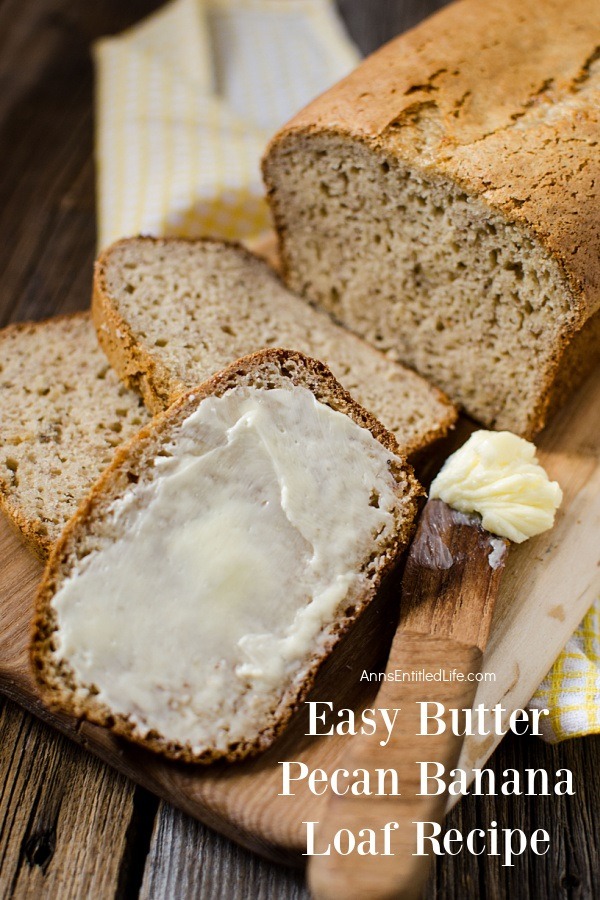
(571, 689)
(186, 102)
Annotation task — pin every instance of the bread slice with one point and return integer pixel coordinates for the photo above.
(191, 600)
(442, 202)
(63, 412)
(171, 312)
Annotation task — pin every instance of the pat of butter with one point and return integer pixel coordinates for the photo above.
(219, 573)
(496, 474)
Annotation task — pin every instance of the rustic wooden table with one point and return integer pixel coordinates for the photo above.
(69, 826)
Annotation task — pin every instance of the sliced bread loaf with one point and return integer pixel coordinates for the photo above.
(215, 564)
(442, 202)
(62, 413)
(171, 312)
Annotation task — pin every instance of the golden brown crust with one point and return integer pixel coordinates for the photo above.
(575, 357)
(465, 95)
(580, 356)
(56, 680)
(135, 366)
(30, 528)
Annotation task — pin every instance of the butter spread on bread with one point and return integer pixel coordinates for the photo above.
(218, 560)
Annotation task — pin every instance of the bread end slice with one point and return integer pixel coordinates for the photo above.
(63, 412)
(247, 716)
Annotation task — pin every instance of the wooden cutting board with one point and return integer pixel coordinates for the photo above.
(548, 585)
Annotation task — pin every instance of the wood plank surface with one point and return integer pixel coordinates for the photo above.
(47, 222)
(186, 859)
(48, 789)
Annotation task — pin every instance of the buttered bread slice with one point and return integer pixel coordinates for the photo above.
(170, 313)
(190, 602)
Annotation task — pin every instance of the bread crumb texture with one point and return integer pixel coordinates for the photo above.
(170, 313)
(442, 201)
(62, 413)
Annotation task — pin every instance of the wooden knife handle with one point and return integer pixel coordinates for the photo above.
(401, 875)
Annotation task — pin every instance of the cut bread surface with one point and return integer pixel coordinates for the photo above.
(63, 411)
(442, 202)
(218, 560)
(171, 312)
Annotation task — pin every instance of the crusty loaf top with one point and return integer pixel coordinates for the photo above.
(503, 98)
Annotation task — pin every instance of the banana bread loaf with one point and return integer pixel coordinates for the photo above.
(442, 202)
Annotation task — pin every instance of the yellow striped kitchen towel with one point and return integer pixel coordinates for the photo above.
(186, 102)
(571, 689)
